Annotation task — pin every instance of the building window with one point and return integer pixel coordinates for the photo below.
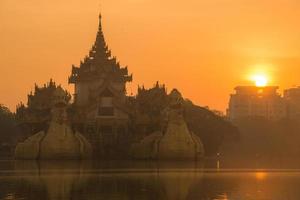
(106, 106)
(106, 111)
(106, 133)
(106, 101)
(106, 130)
(90, 129)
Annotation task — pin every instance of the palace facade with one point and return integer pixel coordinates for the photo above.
(102, 108)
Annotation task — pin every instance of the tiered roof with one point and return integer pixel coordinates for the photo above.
(99, 63)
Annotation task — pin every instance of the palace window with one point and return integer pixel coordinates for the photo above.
(106, 133)
(106, 104)
(106, 129)
(105, 111)
(106, 101)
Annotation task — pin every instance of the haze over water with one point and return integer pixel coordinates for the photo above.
(144, 180)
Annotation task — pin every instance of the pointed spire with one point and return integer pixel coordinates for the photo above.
(99, 51)
(99, 59)
(100, 32)
(100, 22)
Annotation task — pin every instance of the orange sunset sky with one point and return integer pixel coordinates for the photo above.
(202, 47)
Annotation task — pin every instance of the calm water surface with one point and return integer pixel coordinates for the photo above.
(144, 180)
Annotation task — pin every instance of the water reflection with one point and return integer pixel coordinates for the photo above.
(48, 180)
(106, 180)
(141, 180)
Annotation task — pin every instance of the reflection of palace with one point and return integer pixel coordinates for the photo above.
(141, 180)
(49, 180)
(264, 102)
(100, 95)
(76, 180)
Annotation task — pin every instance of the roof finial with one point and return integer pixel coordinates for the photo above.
(100, 23)
(100, 16)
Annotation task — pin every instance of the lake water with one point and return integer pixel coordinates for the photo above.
(145, 180)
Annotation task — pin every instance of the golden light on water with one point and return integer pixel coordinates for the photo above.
(260, 175)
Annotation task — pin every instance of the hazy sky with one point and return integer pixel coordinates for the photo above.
(203, 48)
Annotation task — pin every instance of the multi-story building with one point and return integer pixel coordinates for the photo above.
(292, 98)
(256, 102)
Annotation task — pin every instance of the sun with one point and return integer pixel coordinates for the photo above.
(260, 80)
(261, 74)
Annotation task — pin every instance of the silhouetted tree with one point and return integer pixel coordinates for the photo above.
(260, 138)
(8, 130)
(210, 127)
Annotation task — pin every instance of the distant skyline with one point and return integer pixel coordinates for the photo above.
(202, 48)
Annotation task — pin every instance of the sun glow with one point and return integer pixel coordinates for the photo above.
(261, 74)
(260, 80)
